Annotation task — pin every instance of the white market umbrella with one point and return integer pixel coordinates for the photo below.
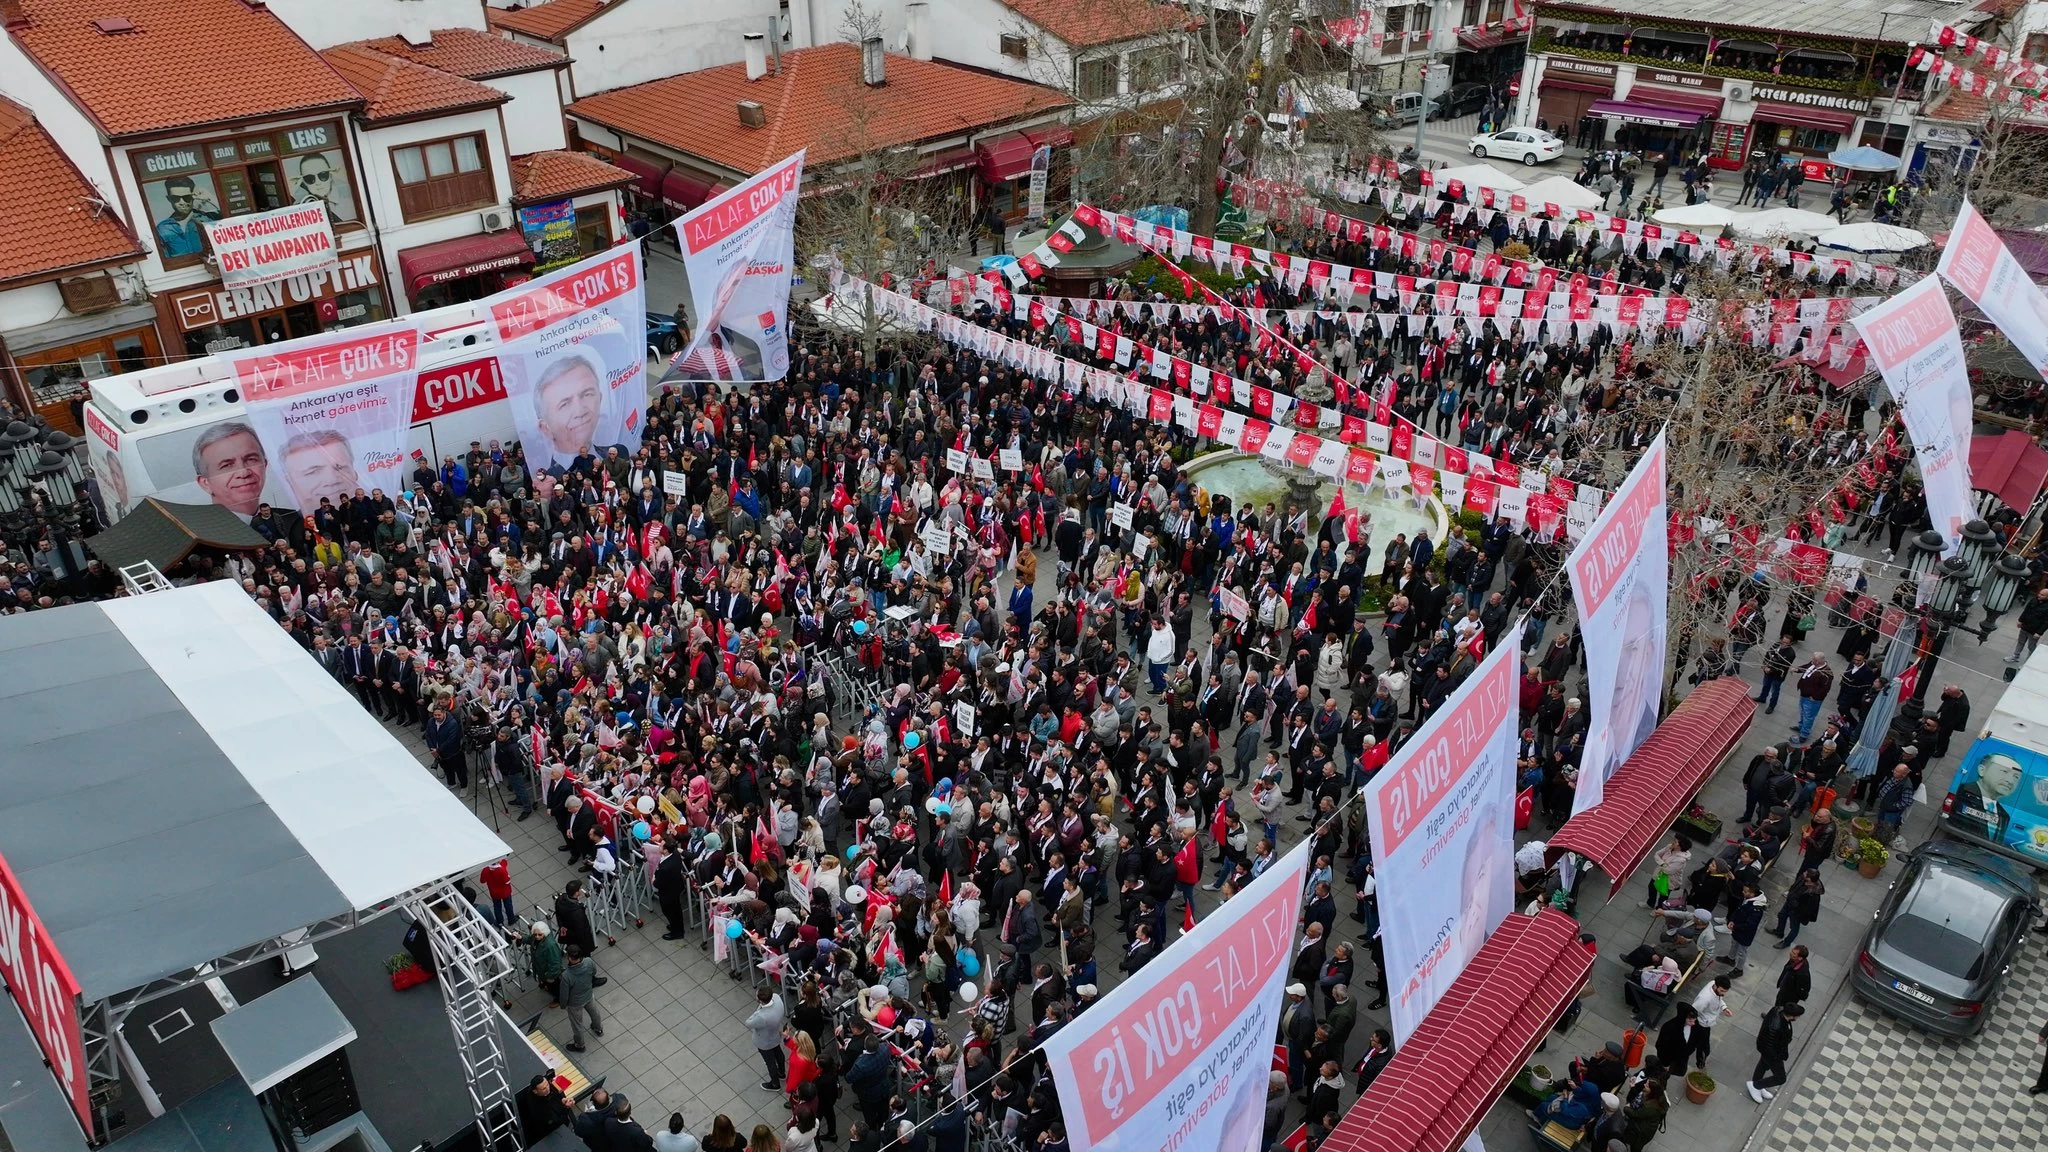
(1477, 176)
(1871, 236)
(1782, 222)
(1701, 215)
(1560, 191)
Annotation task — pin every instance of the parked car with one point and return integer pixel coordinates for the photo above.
(1393, 109)
(1531, 146)
(1941, 945)
(1460, 100)
(663, 334)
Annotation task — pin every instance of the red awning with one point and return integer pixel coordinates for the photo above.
(1008, 157)
(2011, 467)
(682, 191)
(1706, 104)
(1857, 368)
(1440, 1083)
(462, 256)
(940, 163)
(1804, 117)
(649, 172)
(1481, 38)
(1653, 786)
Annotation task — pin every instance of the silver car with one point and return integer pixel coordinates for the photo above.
(1940, 946)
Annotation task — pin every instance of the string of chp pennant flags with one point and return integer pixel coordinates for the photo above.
(1353, 30)
(1553, 299)
(1382, 182)
(2021, 80)
(1361, 451)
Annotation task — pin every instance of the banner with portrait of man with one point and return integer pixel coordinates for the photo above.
(738, 252)
(329, 414)
(572, 347)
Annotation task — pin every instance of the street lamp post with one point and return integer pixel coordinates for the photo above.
(1946, 609)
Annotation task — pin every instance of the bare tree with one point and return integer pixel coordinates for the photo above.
(1227, 103)
(873, 209)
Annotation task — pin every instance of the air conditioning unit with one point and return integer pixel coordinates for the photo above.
(496, 220)
(1737, 92)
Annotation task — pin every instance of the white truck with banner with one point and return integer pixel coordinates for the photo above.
(144, 430)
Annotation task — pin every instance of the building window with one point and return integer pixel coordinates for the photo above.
(1495, 9)
(593, 229)
(1471, 13)
(2036, 49)
(57, 377)
(1155, 68)
(1097, 78)
(1396, 21)
(1016, 47)
(441, 177)
(186, 185)
(1813, 139)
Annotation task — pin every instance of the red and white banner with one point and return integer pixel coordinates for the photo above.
(332, 413)
(1913, 339)
(572, 348)
(1980, 266)
(1177, 1056)
(1621, 576)
(1442, 817)
(46, 992)
(259, 247)
(738, 251)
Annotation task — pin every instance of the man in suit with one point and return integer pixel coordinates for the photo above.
(671, 881)
(329, 658)
(403, 687)
(359, 666)
(444, 739)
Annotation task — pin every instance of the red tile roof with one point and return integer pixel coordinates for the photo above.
(817, 102)
(402, 90)
(540, 176)
(470, 54)
(187, 63)
(54, 223)
(1086, 23)
(551, 20)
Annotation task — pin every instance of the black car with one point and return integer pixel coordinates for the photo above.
(1459, 101)
(1940, 947)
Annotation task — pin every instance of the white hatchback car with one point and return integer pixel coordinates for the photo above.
(1529, 145)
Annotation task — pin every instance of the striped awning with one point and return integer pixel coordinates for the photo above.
(1439, 1084)
(1653, 786)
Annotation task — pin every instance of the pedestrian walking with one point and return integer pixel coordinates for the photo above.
(1795, 979)
(1711, 1005)
(579, 995)
(497, 882)
(766, 1024)
(1815, 682)
(1777, 665)
(2041, 1081)
(2033, 622)
(1801, 907)
(1773, 1046)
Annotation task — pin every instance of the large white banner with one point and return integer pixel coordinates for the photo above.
(1980, 266)
(330, 414)
(1621, 575)
(573, 354)
(1442, 816)
(258, 247)
(1175, 1058)
(738, 251)
(1913, 338)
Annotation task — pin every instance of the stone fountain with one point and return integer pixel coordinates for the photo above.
(1302, 485)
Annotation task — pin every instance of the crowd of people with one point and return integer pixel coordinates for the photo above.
(1068, 718)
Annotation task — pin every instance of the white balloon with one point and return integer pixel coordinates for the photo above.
(969, 994)
(646, 805)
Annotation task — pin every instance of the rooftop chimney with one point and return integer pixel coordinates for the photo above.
(752, 114)
(873, 72)
(757, 55)
(919, 17)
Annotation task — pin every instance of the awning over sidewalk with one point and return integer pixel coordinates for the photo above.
(164, 534)
(1485, 37)
(647, 174)
(1653, 115)
(1705, 105)
(1804, 117)
(463, 256)
(1652, 787)
(2010, 467)
(1008, 157)
(1440, 1083)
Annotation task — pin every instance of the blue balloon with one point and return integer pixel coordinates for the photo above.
(912, 740)
(852, 850)
(970, 964)
(734, 930)
(641, 830)
(860, 627)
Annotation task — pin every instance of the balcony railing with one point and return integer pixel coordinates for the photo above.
(1855, 86)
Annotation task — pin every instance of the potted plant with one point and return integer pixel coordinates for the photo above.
(1862, 827)
(1698, 1087)
(404, 972)
(1871, 857)
(1698, 825)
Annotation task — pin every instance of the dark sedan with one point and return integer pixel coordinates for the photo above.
(662, 333)
(1940, 947)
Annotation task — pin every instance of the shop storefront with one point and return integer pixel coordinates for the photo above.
(212, 318)
(1568, 89)
(1005, 165)
(1804, 124)
(1663, 111)
(464, 269)
(53, 363)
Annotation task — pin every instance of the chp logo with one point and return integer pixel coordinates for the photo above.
(457, 387)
